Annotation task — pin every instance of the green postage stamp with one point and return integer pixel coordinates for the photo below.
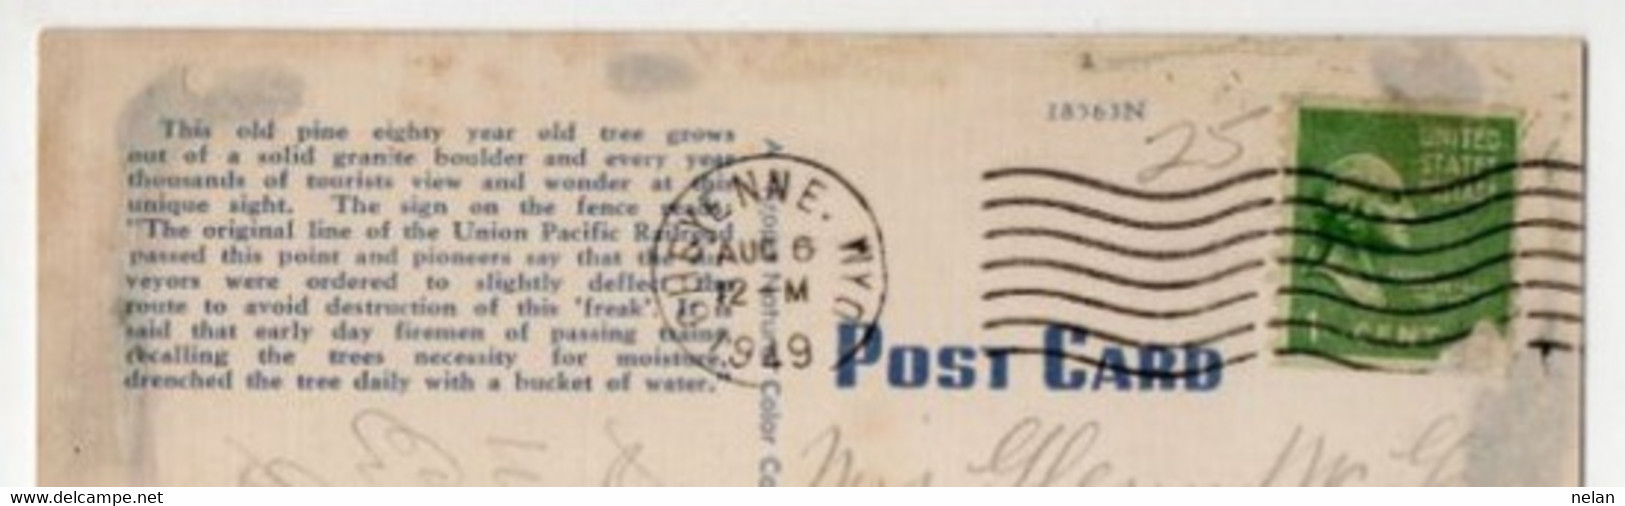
(1402, 235)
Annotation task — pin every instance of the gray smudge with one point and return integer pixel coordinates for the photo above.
(649, 73)
(1523, 433)
(1426, 70)
(223, 98)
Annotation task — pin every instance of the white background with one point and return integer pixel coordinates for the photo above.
(1601, 22)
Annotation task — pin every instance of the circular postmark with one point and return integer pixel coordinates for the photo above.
(765, 264)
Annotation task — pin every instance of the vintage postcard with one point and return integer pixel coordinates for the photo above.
(351, 258)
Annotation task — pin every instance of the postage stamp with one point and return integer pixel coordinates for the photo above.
(1388, 206)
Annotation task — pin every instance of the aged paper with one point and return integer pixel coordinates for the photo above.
(752, 259)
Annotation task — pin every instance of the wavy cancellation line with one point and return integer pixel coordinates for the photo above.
(1447, 215)
(1117, 219)
(1557, 316)
(1440, 340)
(1253, 205)
(1437, 277)
(1269, 173)
(1252, 235)
(1367, 339)
(1120, 280)
(1098, 303)
(1486, 294)
(1293, 291)
(1039, 263)
(1129, 251)
(1552, 224)
(1246, 329)
(1117, 337)
(1122, 369)
(1349, 363)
